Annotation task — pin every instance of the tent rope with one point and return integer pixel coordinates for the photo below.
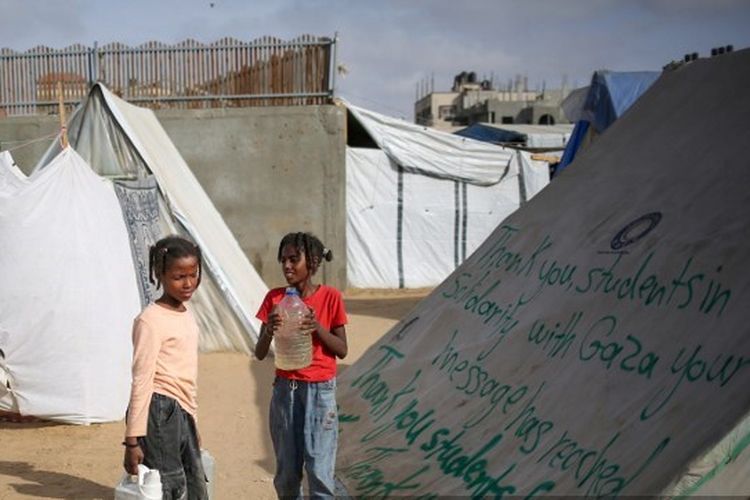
(32, 141)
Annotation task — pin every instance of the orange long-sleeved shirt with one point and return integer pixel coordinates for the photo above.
(165, 361)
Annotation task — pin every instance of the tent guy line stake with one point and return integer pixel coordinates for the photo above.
(61, 107)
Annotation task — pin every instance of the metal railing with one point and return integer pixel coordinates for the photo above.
(226, 73)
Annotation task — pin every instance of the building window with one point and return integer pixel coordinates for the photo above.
(507, 119)
(446, 113)
(546, 120)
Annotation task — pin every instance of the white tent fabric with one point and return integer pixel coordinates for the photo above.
(69, 297)
(11, 177)
(441, 221)
(534, 175)
(410, 227)
(229, 265)
(596, 344)
(432, 152)
(122, 140)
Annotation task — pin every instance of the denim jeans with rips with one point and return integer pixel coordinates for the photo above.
(304, 430)
(171, 446)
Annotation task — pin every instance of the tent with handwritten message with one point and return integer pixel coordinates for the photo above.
(596, 344)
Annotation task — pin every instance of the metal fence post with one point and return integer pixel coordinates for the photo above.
(93, 64)
(334, 65)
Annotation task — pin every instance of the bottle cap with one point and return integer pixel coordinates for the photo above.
(290, 290)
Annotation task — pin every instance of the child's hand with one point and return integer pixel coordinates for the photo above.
(309, 323)
(133, 457)
(274, 321)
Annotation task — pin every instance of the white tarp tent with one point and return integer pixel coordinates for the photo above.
(422, 200)
(596, 344)
(69, 298)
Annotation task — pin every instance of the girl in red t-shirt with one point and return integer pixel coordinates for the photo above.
(303, 416)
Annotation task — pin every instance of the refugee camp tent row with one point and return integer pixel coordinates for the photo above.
(75, 236)
(596, 344)
(420, 201)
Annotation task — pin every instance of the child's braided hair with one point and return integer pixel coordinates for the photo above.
(309, 244)
(165, 251)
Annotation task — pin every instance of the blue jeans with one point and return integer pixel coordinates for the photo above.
(304, 430)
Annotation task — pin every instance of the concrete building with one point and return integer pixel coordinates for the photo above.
(472, 101)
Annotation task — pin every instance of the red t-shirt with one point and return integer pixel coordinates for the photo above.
(329, 310)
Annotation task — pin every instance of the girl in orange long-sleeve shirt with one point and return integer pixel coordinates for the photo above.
(160, 430)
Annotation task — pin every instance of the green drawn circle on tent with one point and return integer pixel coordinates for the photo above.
(635, 230)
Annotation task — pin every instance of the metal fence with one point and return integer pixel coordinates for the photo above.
(226, 73)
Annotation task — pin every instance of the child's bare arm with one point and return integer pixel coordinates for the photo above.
(334, 340)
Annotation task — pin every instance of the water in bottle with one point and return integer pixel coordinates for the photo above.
(293, 348)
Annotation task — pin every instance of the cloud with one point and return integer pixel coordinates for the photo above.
(390, 45)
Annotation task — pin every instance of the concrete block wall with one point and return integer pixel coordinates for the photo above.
(16, 134)
(268, 170)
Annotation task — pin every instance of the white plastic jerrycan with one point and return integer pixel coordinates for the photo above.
(145, 486)
(209, 467)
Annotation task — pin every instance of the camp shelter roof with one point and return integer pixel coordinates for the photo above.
(529, 135)
(602, 326)
(426, 151)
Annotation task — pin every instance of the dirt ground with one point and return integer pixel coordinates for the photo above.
(47, 460)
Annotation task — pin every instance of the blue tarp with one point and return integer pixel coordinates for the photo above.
(609, 95)
(490, 134)
(612, 92)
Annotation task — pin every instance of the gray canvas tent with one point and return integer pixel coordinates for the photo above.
(596, 344)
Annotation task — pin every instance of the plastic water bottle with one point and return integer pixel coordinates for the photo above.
(293, 348)
(145, 486)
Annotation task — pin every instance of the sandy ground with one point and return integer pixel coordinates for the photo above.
(46, 460)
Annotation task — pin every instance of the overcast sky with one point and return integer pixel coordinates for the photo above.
(388, 46)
